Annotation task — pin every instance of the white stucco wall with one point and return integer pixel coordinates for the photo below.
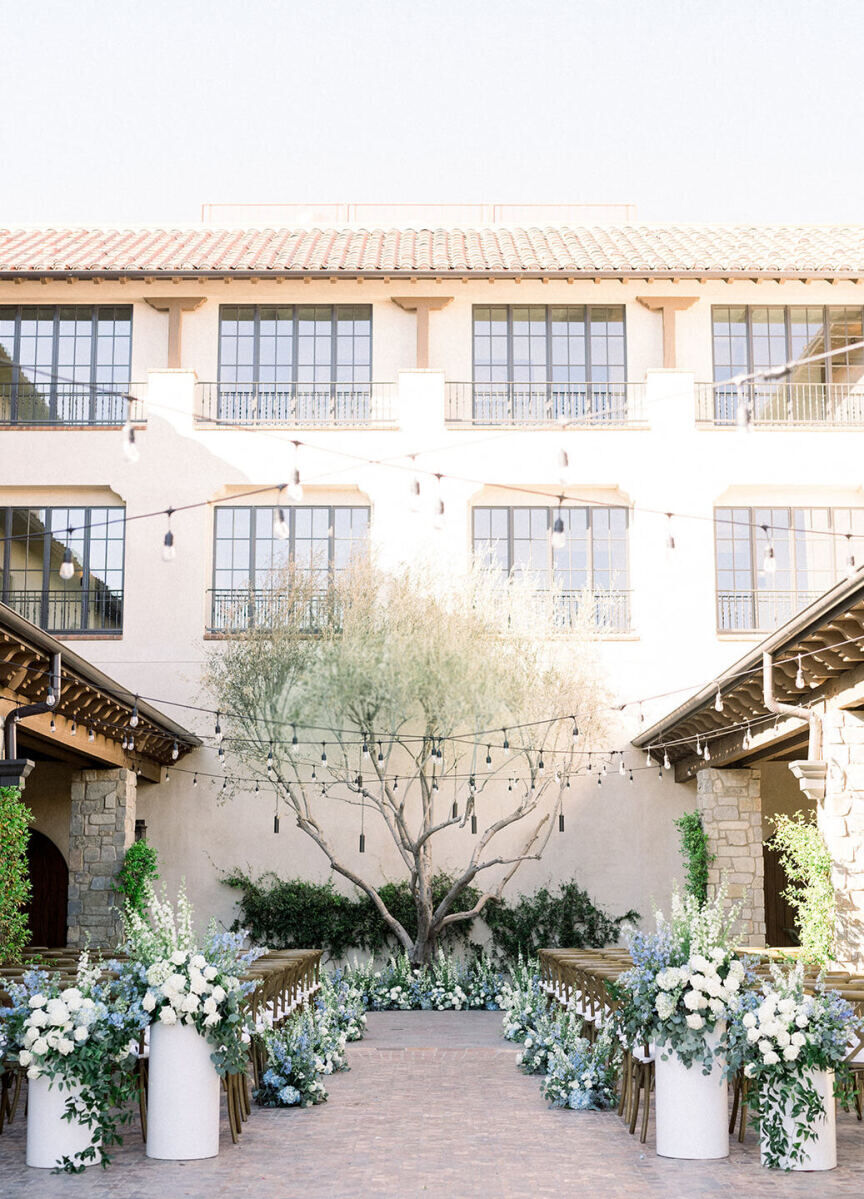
(619, 840)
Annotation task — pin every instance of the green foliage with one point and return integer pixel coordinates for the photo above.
(138, 870)
(694, 850)
(807, 862)
(14, 879)
(294, 914)
(563, 918)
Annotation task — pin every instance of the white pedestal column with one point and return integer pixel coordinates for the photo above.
(50, 1138)
(183, 1095)
(821, 1152)
(692, 1108)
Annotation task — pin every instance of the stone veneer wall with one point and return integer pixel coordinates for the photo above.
(730, 804)
(101, 828)
(841, 821)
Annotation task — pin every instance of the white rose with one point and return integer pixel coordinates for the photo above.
(190, 1003)
(210, 1005)
(733, 982)
(37, 1001)
(212, 1019)
(749, 1070)
(770, 1059)
(698, 963)
(718, 1008)
(791, 1052)
(782, 1037)
(787, 1006)
(765, 1047)
(198, 984)
(198, 962)
(25, 1057)
(718, 954)
(218, 994)
(802, 1019)
(695, 1021)
(210, 973)
(72, 998)
(40, 1046)
(33, 1072)
(691, 1001)
(178, 957)
(749, 1020)
(177, 982)
(753, 1034)
(80, 1035)
(798, 1039)
(168, 1015)
(39, 1019)
(65, 1046)
(148, 1002)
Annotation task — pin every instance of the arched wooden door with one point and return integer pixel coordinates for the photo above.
(49, 881)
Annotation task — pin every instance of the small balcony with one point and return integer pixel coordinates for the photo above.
(68, 405)
(758, 611)
(611, 610)
(93, 611)
(235, 610)
(537, 405)
(298, 405)
(778, 405)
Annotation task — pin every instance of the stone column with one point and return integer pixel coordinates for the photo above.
(102, 827)
(840, 817)
(730, 804)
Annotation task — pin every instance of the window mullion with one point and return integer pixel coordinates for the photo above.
(333, 329)
(754, 567)
(55, 354)
(85, 567)
(47, 534)
(7, 552)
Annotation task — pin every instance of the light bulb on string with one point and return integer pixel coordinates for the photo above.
(575, 733)
(73, 728)
(52, 726)
(599, 780)
(224, 787)
(124, 744)
(850, 557)
(294, 741)
(133, 719)
(622, 770)
(438, 519)
(506, 742)
(67, 566)
(168, 549)
(541, 766)
(667, 765)
(221, 756)
(167, 775)
(313, 776)
(281, 530)
(630, 777)
(434, 782)
(670, 537)
(365, 749)
(50, 697)
(414, 492)
(130, 449)
(800, 681)
(195, 779)
(295, 488)
(175, 752)
(743, 413)
(91, 736)
(131, 743)
(706, 753)
(324, 752)
(558, 538)
(380, 757)
(748, 740)
(560, 822)
(563, 466)
(488, 755)
(718, 701)
(769, 558)
(698, 745)
(396, 783)
(217, 730)
(648, 759)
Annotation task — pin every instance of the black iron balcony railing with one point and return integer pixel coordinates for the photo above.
(611, 610)
(759, 611)
(778, 405)
(234, 610)
(73, 611)
(69, 405)
(539, 404)
(309, 405)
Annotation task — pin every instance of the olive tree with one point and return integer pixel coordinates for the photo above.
(388, 693)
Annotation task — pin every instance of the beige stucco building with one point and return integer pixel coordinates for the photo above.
(477, 355)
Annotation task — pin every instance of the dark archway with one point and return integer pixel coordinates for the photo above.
(49, 880)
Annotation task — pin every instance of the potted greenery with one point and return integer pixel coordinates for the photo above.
(75, 1043)
(790, 1045)
(676, 999)
(194, 1000)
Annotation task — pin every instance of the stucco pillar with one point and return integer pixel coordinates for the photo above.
(730, 804)
(421, 404)
(840, 817)
(101, 828)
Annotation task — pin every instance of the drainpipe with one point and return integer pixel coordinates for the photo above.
(814, 749)
(24, 710)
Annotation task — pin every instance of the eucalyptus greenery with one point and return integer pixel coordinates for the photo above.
(807, 863)
(565, 916)
(694, 850)
(14, 879)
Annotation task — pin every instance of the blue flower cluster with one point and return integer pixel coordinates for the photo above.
(446, 984)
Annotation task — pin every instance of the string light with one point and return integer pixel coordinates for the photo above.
(221, 754)
(365, 749)
(706, 753)
(670, 539)
(133, 719)
(381, 753)
(747, 740)
(563, 466)
(52, 726)
(718, 700)
(168, 550)
(281, 530)
(67, 566)
(629, 780)
(850, 557)
(130, 449)
(295, 488)
(622, 770)
(800, 681)
(558, 538)
(667, 765)
(488, 755)
(561, 822)
(294, 741)
(91, 736)
(698, 746)
(414, 493)
(324, 752)
(575, 733)
(506, 744)
(438, 519)
(73, 728)
(217, 730)
(195, 779)
(769, 558)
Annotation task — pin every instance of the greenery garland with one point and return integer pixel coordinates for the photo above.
(15, 819)
(136, 874)
(805, 858)
(694, 850)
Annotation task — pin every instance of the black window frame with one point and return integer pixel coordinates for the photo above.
(623, 623)
(89, 603)
(94, 402)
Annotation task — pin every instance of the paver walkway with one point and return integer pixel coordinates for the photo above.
(433, 1105)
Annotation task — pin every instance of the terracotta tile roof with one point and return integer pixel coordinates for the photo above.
(664, 250)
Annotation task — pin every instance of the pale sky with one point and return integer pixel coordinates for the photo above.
(693, 110)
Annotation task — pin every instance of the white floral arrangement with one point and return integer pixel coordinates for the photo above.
(684, 981)
(780, 1035)
(179, 982)
(81, 1037)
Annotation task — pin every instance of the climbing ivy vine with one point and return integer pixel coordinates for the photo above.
(694, 850)
(14, 877)
(805, 858)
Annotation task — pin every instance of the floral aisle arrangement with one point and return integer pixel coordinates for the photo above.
(344, 1003)
(179, 983)
(784, 1040)
(300, 1054)
(79, 1039)
(446, 984)
(554, 1028)
(584, 1076)
(522, 1000)
(684, 978)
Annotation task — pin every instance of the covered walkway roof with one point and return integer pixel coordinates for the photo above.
(829, 637)
(90, 702)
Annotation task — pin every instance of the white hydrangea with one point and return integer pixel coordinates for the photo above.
(37, 1001)
(178, 957)
(149, 1001)
(790, 1053)
(665, 1005)
(695, 1021)
(749, 1020)
(168, 1015)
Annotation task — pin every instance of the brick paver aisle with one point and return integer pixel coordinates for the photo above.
(433, 1105)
